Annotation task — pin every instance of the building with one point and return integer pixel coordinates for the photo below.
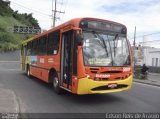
(146, 55)
(151, 56)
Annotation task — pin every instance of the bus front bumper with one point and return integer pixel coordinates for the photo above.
(89, 86)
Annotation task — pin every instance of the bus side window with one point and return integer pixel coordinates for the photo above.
(53, 43)
(35, 47)
(31, 47)
(50, 44)
(42, 45)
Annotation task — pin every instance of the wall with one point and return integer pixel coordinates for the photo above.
(151, 56)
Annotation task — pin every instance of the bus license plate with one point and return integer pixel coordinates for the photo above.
(113, 85)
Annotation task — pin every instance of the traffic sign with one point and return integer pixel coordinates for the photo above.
(26, 30)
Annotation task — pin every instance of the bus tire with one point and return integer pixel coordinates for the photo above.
(28, 71)
(56, 86)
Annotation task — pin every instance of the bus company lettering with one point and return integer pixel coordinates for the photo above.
(50, 60)
(41, 60)
(113, 85)
(102, 75)
(126, 69)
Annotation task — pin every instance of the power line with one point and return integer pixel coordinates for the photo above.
(65, 8)
(54, 12)
(17, 1)
(54, 15)
(140, 43)
(30, 9)
(140, 36)
(61, 3)
(150, 41)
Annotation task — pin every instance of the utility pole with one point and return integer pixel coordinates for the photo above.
(54, 17)
(134, 46)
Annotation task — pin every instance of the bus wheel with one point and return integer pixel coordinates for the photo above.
(28, 72)
(56, 86)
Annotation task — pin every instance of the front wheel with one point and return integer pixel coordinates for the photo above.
(56, 86)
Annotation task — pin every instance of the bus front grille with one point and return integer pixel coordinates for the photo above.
(108, 88)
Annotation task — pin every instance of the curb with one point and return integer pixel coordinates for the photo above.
(154, 74)
(148, 82)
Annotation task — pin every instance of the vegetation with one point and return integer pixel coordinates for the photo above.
(137, 71)
(138, 75)
(9, 19)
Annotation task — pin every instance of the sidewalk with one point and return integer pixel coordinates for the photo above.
(148, 81)
(155, 74)
(8, 101)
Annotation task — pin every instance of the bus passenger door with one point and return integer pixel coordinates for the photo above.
(66, 59)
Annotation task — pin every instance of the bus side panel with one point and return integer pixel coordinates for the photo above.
(53, 62)
(49, 62)
(43, 65)
(34, 71)
(45, 74)
(39, 73)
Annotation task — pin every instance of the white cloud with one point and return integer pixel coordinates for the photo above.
(145, 16)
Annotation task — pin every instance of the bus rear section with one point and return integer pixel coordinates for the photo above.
(93, 56)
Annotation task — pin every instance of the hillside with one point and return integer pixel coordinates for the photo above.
(8, 19)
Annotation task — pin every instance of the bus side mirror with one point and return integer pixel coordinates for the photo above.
(79, 39)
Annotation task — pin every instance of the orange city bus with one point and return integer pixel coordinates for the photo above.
(82, 56)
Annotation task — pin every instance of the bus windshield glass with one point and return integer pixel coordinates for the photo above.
(103, 49)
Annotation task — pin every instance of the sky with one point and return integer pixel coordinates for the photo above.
(144, 14)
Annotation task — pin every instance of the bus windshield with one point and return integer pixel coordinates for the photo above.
(103, 49)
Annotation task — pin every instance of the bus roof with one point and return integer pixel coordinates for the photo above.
(25, 41)
(74, 22)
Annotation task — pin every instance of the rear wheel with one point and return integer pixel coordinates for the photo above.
(28, 71)
(56, 85)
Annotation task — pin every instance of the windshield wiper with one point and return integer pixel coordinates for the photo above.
(115, 44)
(102, 39)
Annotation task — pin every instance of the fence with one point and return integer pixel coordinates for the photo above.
(154, 69)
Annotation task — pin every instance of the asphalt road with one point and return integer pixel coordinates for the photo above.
(35, 96)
